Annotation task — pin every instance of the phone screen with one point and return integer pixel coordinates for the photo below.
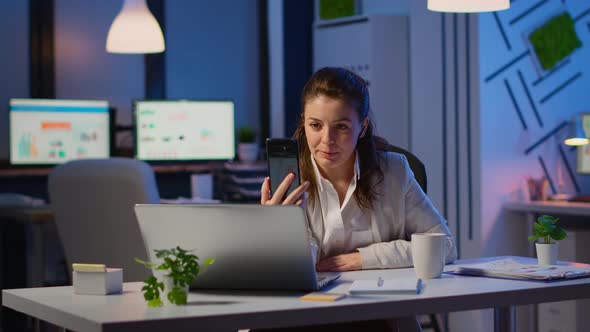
(282, 160)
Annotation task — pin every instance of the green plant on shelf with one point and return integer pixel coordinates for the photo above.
(246, 135)
(181, 266)
(546, 228)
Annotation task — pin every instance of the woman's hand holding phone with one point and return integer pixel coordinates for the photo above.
(296, 197)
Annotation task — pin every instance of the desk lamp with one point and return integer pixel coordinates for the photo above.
(467, 6)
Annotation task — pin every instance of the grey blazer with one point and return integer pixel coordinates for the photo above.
(401, 210)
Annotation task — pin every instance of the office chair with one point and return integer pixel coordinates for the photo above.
(416, 165)
(419, 171)
(92, 200)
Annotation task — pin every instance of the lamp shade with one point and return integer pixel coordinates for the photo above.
(576, 135)
(467, 6)
(135, 30)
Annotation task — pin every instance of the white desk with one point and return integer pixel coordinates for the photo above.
(224, 310)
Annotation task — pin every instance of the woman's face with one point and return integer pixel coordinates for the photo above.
(332, 128)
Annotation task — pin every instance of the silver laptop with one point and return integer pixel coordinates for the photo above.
(254, 246)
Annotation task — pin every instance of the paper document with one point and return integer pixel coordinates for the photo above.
(386, 286)
(510, 268)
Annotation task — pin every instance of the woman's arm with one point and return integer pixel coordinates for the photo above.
(398, 253)
(419, 216)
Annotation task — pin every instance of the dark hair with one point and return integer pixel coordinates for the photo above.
(342, 84)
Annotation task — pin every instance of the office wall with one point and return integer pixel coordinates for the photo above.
(83, 69)
(519, 106)
(206, 57)
(213, 53)
(277, 70)
(385, 7)
(14, 66)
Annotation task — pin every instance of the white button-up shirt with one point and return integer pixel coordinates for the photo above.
(380, 234)
(347, 226)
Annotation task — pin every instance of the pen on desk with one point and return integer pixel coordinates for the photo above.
(379, 282)
(419, 286)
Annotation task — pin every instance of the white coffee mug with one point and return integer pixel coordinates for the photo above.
(428, 254)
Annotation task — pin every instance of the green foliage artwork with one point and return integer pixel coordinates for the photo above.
(555, 40)
(330, 9)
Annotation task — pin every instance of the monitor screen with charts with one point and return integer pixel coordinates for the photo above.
(54, 131)
(184, 130)
(583, 164)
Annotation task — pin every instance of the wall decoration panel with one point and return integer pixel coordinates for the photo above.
(524, 111)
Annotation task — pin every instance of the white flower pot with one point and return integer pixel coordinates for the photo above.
(248, 152)
(547, 253)
(168, 286)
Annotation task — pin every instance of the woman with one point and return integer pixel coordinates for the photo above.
(362, 205)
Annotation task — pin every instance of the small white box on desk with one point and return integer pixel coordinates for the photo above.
(98, 283)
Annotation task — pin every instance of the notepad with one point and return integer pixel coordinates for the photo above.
(323, 297)
(80, 267)
(386, 286)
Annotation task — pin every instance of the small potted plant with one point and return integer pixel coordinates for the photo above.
(247, 147)
(181, 269)
(546, 233)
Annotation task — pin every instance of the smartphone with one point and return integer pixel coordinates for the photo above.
(283, 158)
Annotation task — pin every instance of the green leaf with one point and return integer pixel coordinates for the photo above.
(160, 253)
(146, 264)
(558, 234)
(182, 267)
(547, 219)
(546, 227)
(538, 227)
(155, 302)
(151, 291)
(533, 238)
(177, 296)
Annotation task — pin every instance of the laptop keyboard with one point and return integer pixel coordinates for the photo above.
(323, 278)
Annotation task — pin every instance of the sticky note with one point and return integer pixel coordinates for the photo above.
(79, 267)
(323, 297)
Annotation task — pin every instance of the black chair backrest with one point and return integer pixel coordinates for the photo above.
(415, 164)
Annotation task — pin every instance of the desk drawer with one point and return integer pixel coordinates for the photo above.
(557, 316)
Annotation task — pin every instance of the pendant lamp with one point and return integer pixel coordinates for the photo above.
(135, 30)
(467, 6)
(576, 135)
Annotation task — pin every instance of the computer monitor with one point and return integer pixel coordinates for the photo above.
(184, 130)
(54, 131)
(583, 164)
